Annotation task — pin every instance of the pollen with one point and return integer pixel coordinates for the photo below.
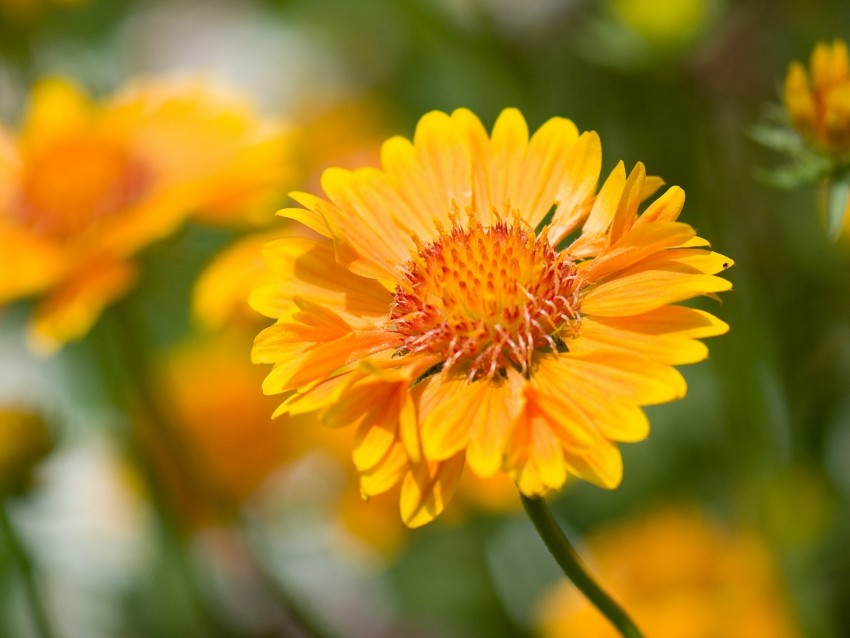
(485, 298)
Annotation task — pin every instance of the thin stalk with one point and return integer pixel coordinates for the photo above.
(20, 556)
(565, 555)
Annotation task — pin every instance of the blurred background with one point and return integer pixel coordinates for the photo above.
(733, 519)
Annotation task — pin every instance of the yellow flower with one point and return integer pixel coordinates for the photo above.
(680, 577)
(444, 320)
(227, 445)
(85, 185)
(819, 104)
(664, 24)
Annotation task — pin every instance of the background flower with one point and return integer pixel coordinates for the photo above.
(819, 101)
(88, 185)
(679, 574)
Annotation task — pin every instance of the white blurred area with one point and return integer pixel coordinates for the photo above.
(89, 533)
(84, 522)
(282, 66)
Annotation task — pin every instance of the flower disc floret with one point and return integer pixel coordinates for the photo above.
(486, 298)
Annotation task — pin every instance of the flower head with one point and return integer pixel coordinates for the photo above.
(477, 302)
(682, 576)
(819, 101)
(85, 185)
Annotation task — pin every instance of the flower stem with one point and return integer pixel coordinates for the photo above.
(565, 555)
(20, 556)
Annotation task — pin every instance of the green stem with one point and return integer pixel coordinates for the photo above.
(20, 556)
(564, 554)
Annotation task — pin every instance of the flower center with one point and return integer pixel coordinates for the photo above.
(71, 185)
(485, 298)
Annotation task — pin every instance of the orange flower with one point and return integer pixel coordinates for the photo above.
(819, 105)
(453, 318)
(221, 424)
(84, 186)
(680, 577)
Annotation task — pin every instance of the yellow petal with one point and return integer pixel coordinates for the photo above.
(427, 488)
(508, 146)
(581, 413)
(315, 397)
(222, 290)
(629, 201)
(57, 107)
(602, 465)
(478, 416)
(70, 310)
(606, 333)
(445, 157)
(644, 291)
(536, 458)
(606, 202)
(799, 99)
(307, 216)
(318, 361)
(307, 269)
(363, 219)
(664, 209)
(30, 263)
(650, 186)
(543, 172)
(635, 245)
(386, 474)
(475, 137)
(581, 174)
(374, 437)
(632, 378)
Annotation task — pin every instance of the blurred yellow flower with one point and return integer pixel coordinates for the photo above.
(664, 23)
(819, 101)
(220, 295)
(441, 317)
(85, 185)
(209, 388)
(347, 134)
(680, 577)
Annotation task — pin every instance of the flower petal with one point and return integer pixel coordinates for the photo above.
(646, 290)
(72, 308)
(478, 416)
(307, 269)
(580, 176)
(427, 488)
(543, 172)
